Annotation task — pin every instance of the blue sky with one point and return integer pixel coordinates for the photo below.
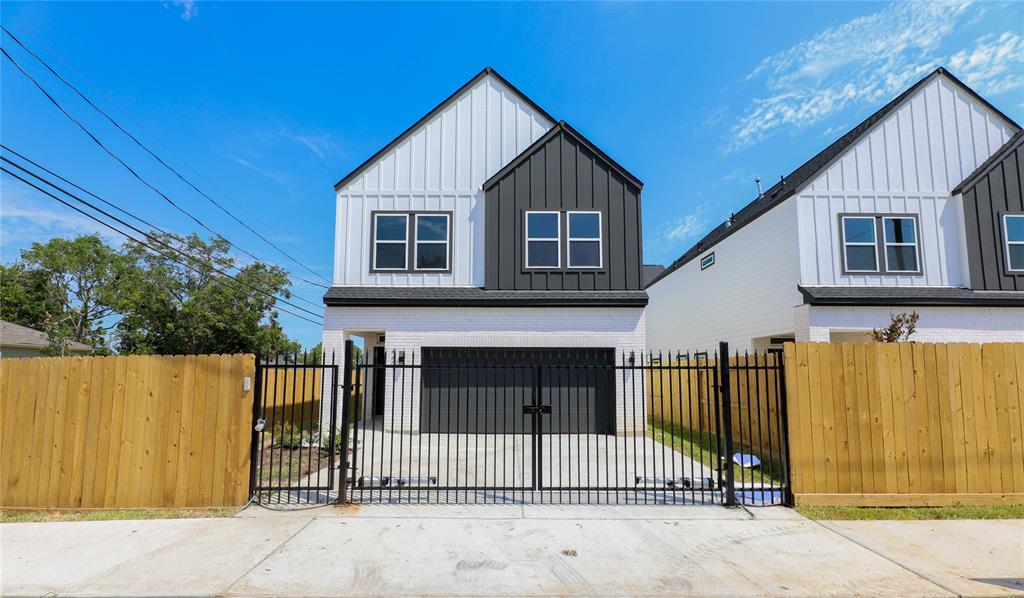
(264, 106)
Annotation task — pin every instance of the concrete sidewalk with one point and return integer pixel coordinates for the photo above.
(413, 550)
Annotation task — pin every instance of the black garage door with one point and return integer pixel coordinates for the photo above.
(484, 390)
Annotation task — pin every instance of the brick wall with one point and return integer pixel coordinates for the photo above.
(936, 324)
(411, 328)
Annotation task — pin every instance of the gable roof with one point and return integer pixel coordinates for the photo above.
(992, 163)
(16, 335)
(487, 71)
(566, 128)
(788, 186)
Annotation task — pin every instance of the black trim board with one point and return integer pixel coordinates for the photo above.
(908, 296)
(409, 296)
(788, 186)
(458, 92)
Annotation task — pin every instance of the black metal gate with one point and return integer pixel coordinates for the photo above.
(490, 426)
(296, 441)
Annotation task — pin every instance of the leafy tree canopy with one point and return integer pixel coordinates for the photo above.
(139, 302)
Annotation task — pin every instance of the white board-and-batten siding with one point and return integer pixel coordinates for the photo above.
(908, 163)
(439, 167)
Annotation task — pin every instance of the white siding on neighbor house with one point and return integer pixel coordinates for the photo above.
(908, 163)
(750, 292)
(441, 166)
(937, 324)
(410, 329)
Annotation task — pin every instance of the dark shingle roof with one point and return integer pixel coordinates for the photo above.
(477, 297)
(458, 92)
(788, 186)
(904, 295)
(15, 335)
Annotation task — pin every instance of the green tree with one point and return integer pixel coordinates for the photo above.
(26, 296)
(82, 280)
(174, 309)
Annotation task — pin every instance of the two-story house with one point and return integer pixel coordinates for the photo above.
(487, 232)
(918, 208)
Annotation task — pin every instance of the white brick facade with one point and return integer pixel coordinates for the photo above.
(409, 329)
(937, 324)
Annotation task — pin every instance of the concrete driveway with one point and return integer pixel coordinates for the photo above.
(529, 550)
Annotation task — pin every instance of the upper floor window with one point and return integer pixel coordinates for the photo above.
(860, 248)
(1013, 232)
(390, 241)
(543, 240)
(413, 241)
(880, 244)
(584, 239)
(432, 232)
(900, 243)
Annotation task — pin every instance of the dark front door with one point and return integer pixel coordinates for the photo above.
(379, 381)
(498, 390)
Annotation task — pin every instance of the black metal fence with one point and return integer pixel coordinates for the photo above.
(564, 426)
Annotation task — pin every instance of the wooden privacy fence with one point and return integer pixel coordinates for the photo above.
(293, 395)
(906, 423)
(125, 431)
(687, 400)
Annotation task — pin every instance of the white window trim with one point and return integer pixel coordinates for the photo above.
(526, 234)
(404, 244)
(873, 244)
(599, 239)
(1007, 242)
(886, 244)
(447, 240)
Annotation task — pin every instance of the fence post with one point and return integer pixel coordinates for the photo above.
(257, 409)
(346, 401)
(724, 392)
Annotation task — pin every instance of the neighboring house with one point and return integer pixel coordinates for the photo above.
(487, 231)
(21, 341)
(918, 208)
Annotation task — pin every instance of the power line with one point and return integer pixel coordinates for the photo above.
(152, 238)
(132, 171)
(152, 153)
(149, 133)
(105, 201)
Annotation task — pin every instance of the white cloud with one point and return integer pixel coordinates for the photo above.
(188, 9)
(996, 63)
(320, 145)
(26, 218)
(686, 228)
(278, 177)
(868, 60)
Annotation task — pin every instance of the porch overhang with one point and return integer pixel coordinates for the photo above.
(909, 296)
(476, 297)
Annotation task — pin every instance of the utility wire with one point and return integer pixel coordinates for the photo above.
(152, 153)
(149, 133)
(132, 171)
(152, 238)
(105, 201)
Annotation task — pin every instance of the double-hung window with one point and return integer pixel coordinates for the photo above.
(900, 236)
(432, 233)
(860, 248)
(543, 240)
(1013, 232)
(412, 241)
(880, 244)
(390, 241)
(584, 239)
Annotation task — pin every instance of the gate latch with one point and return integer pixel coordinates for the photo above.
(535, 409)
(260, 423)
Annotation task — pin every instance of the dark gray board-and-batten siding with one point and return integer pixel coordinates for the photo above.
(563, 171)
(990, 192)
